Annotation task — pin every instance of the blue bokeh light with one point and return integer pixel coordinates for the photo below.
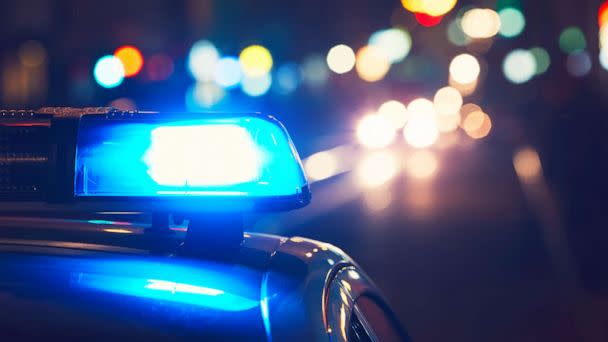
(228, 73)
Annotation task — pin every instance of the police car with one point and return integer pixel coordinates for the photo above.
(206, 279)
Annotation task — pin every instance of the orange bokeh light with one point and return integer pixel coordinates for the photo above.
(131, 59)
(602, 14)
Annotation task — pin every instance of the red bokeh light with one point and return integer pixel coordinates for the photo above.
(427, 20)
(602, 14)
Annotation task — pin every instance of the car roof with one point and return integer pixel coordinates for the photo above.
(101, 273)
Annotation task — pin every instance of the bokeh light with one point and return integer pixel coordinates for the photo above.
(376, 169)
(421, 128)
(448, 122)
(519, 66)
(480, 23)
(109, 72)
(542, 58)
(572, 39)
(314, 71)
(455, 34)
(32, 54)
(201, 96)
(447, 100)
(421, 164)
(512, 22)
(131, 58)
(375, 131)
(228, 72)
(579, 63)
(477, 124)
(604, 58)
(378, 199)
(372, 64)
(395, 43)
(427, 20)
(341, 59)
(464, 69)
(255, 60)
(287, 78)
(256, 86)
(321, 165)
(464, 89)
(602, 14)
(603, 36)
(395, 112)
(430, 7)
(159, 67)
(202, 60)
(527, 165)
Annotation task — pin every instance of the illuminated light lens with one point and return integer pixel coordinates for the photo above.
(447, 100)
(131, 59)
(32, 53)
(542, 58)
(527, 165)
(512, 22)
(255, 60)
(109, 72)
(256, 86)
(519, 66)
(375, 131)
(395, 112)
(372, 64)
(421, 129)
(341, 59)
(377, 169)
(427, 20)
(166, 157)
(421, 164)
(204, 95)
(395, 43)
(430, 7)
(287, 78)
(578, 63)
(604, 58)
(464, 69)
(321, 165)
(572, 39)
(170, 156)
(480, 23)
(477, 125)
(378, 199)
(202, 61)
(455, 34)
(228, 72)
(314, 71)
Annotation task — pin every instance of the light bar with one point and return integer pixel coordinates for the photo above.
(192, 156)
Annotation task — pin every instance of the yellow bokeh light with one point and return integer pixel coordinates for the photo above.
(321, 165)
(255, 60)
(395, 112)
(447, 100)
(480, 23)
(372, 64)
(431, 7)
(527, 164)
(375, 131)
(341, 59)
(448, 123)
(377, 169)
(422, 164)
(464, 69)
(464, 89)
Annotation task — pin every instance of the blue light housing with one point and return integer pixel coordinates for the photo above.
(244, 160)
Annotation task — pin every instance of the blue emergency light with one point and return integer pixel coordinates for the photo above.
(203, 160)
